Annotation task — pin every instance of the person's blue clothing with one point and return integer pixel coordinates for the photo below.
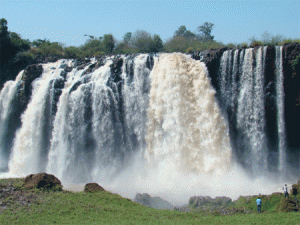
(258, 201)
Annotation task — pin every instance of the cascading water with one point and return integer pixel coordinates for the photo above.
(185, 124)
(88, 134)
(133, 123)
(242, 94)
(280, 110)
(30, 149)
(8, 112)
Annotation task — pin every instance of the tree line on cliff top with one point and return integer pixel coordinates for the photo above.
(16, 53)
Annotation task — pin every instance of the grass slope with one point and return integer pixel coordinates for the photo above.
(20, 206)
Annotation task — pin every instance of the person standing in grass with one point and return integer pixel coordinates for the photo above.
(258, 203)
(285, 189)
(295, 191)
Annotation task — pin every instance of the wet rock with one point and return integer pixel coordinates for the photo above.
(93, 187)
(155, 202)
(41, 180)
(31, 73)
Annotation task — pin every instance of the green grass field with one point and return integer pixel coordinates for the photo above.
(62, 207)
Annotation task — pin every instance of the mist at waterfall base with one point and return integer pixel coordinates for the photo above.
(159, 131)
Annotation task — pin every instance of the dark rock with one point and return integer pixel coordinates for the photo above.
(155, 202)
(116, 70)
(90, 69)
(82, 62)
(198, 201)
(150, 62)
(32, 72)
(41, 180)
(29, 75)
(93, 187)
(143, 199)
(292, 100)
(211, 58)
(75, 86)
(68, 69)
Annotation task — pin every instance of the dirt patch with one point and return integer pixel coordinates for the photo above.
(11, 197)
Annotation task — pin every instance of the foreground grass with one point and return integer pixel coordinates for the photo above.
(107, 208)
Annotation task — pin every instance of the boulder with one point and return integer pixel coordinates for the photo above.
(155, 202)
(93, 187)
(41, 180)
(143, 199)
(199, 201)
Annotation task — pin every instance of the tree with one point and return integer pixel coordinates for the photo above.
(18, 43)
(127, 37)
(277, 39)
(6, 50)
(157, 44)
(205, 31)
(5, 43)
(183, 32)
(93, 47)
(109, 43)
(177, 44)
(141, 41)
(72, 52)
(39, 42)
(268, 38)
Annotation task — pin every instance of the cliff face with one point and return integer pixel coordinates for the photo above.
(291, 87)
(292, 94)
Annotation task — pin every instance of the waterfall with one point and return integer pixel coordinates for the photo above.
(83, 124)
(99, 125)
(9, 112)
(280, 109)
(185, 125)
(242, 94)
(135, 93)
(92, 119)
(30, 149)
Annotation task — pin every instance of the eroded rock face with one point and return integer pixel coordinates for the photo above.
(41, 180)
(292, 96)
(155, 202)
(32, 72)
(93, 187)
(206, 200)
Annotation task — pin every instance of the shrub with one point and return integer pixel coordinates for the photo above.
(289, 41)
(201, 46)
(231, 45)
(72, 52)
(256, 43)
(244, 45)
(296, 62)
(24, 57)
(286, 205)
(189, 50)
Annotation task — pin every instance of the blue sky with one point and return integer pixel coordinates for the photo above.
(67, 21)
